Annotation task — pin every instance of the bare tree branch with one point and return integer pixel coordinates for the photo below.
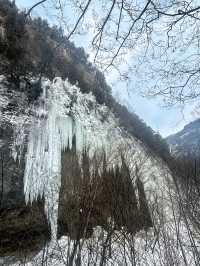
(179, 13)
(34, 6)
(98, 36)
(79, 19)
(129, 32)
(120, 16)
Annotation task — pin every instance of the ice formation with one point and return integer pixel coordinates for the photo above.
(61, 112)
(51, 132)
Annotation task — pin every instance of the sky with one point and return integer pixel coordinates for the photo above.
(164, 120)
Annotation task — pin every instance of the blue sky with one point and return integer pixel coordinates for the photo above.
(163, 120)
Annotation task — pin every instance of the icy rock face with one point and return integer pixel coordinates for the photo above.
(61, 113)
(48, 127)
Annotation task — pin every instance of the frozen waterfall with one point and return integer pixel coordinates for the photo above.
(51, 132)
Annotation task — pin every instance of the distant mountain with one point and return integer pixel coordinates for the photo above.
(187, 140)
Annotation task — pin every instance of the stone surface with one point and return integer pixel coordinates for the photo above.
(24, 229)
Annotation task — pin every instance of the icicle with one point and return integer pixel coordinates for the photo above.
(51, 131)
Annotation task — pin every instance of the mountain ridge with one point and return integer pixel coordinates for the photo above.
(186, 141)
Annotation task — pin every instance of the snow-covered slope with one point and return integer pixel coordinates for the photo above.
(45, 128)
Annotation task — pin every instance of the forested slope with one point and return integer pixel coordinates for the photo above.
(31, 48)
